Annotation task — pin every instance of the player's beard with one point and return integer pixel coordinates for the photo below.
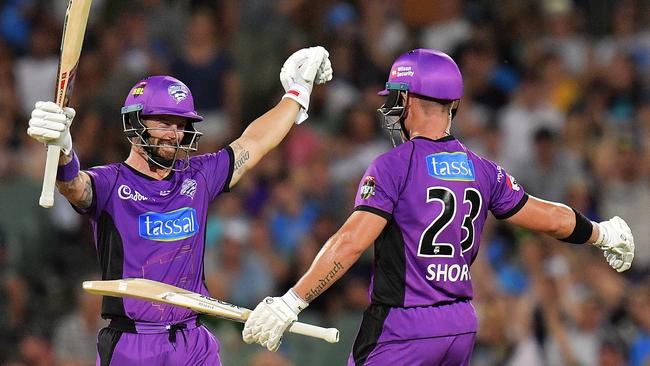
(164, 155)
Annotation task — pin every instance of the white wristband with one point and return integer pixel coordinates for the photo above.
(294, 301)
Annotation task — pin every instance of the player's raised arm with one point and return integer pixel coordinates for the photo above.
(50, 124)
(613, 236)
(298, 75)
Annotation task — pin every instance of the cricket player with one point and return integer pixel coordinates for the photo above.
(424, 204)
(149, 213)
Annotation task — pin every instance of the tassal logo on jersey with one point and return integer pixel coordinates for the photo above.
(454, 166)
(169, 226)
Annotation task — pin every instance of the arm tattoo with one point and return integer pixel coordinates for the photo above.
(241, 159)
(323, 283)
(87, 195)
(82, 184)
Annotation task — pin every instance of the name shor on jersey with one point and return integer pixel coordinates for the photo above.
(448, 273)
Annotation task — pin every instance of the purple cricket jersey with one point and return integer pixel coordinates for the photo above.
(155, 229)
(435, 196)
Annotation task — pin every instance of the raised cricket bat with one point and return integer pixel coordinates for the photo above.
(155, 291)
(74, 27)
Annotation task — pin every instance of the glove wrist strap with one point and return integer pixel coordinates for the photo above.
(69, 171)
(300, 94)
(294, 301)
(602, 236)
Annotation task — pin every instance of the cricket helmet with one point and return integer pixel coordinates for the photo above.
(424, 72)
(160, 95)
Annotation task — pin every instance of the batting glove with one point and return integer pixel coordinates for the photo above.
(50, 124)
(271, 317)
(299, 73)
(617, 243)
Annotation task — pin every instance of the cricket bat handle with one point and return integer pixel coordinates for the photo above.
(49, 177)
(330, 335)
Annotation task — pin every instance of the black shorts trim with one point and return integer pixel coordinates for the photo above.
(106, 343)
(515, 209)
(374, 210)
(371, 326)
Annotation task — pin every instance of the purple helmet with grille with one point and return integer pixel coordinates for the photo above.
(161, 95)
(426, 72)
(156, 95)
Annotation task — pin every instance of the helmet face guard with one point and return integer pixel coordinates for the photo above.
(138, 135)
(393, 112)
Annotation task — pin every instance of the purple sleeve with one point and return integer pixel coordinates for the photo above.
(217, 169)
(507, 197)
(380, 186)
(102, 179)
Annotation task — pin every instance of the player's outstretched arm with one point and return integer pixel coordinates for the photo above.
(50, 124)
(274, 315)
(613, 236)
(300, 72)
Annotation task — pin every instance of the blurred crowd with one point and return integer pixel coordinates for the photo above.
(557, 91)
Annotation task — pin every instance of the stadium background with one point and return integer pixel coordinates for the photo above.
(557, 91)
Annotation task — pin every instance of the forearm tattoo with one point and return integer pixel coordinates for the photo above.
(324, 282)
(81, 183)
(87, 195)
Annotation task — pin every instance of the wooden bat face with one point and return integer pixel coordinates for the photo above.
(74, 27)
(161, 292)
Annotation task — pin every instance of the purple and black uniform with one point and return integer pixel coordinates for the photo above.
(155, 229)
(435, 196)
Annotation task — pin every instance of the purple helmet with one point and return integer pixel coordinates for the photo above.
(157, 95)
(160, 95)
(426, 72)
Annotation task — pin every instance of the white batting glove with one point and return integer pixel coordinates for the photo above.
(299, 73)
(617, 243)
(271, 317)
(50, 124)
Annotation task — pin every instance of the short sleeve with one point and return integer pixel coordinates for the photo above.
(380, 186)
(217, 169)
(507, 196)
(102, 180)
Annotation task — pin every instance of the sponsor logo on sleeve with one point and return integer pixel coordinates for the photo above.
(189, 188)
(454, 166)
(126, 193)
(512, 183)
(178, 92)
(168, 226)
(367, 188)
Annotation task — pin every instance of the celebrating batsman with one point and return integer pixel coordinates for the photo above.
(424, 205)
(149, 213)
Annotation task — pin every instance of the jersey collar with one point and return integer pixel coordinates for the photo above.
(442, 139)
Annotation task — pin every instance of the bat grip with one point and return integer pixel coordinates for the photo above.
(49, 177)
(330, 335)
